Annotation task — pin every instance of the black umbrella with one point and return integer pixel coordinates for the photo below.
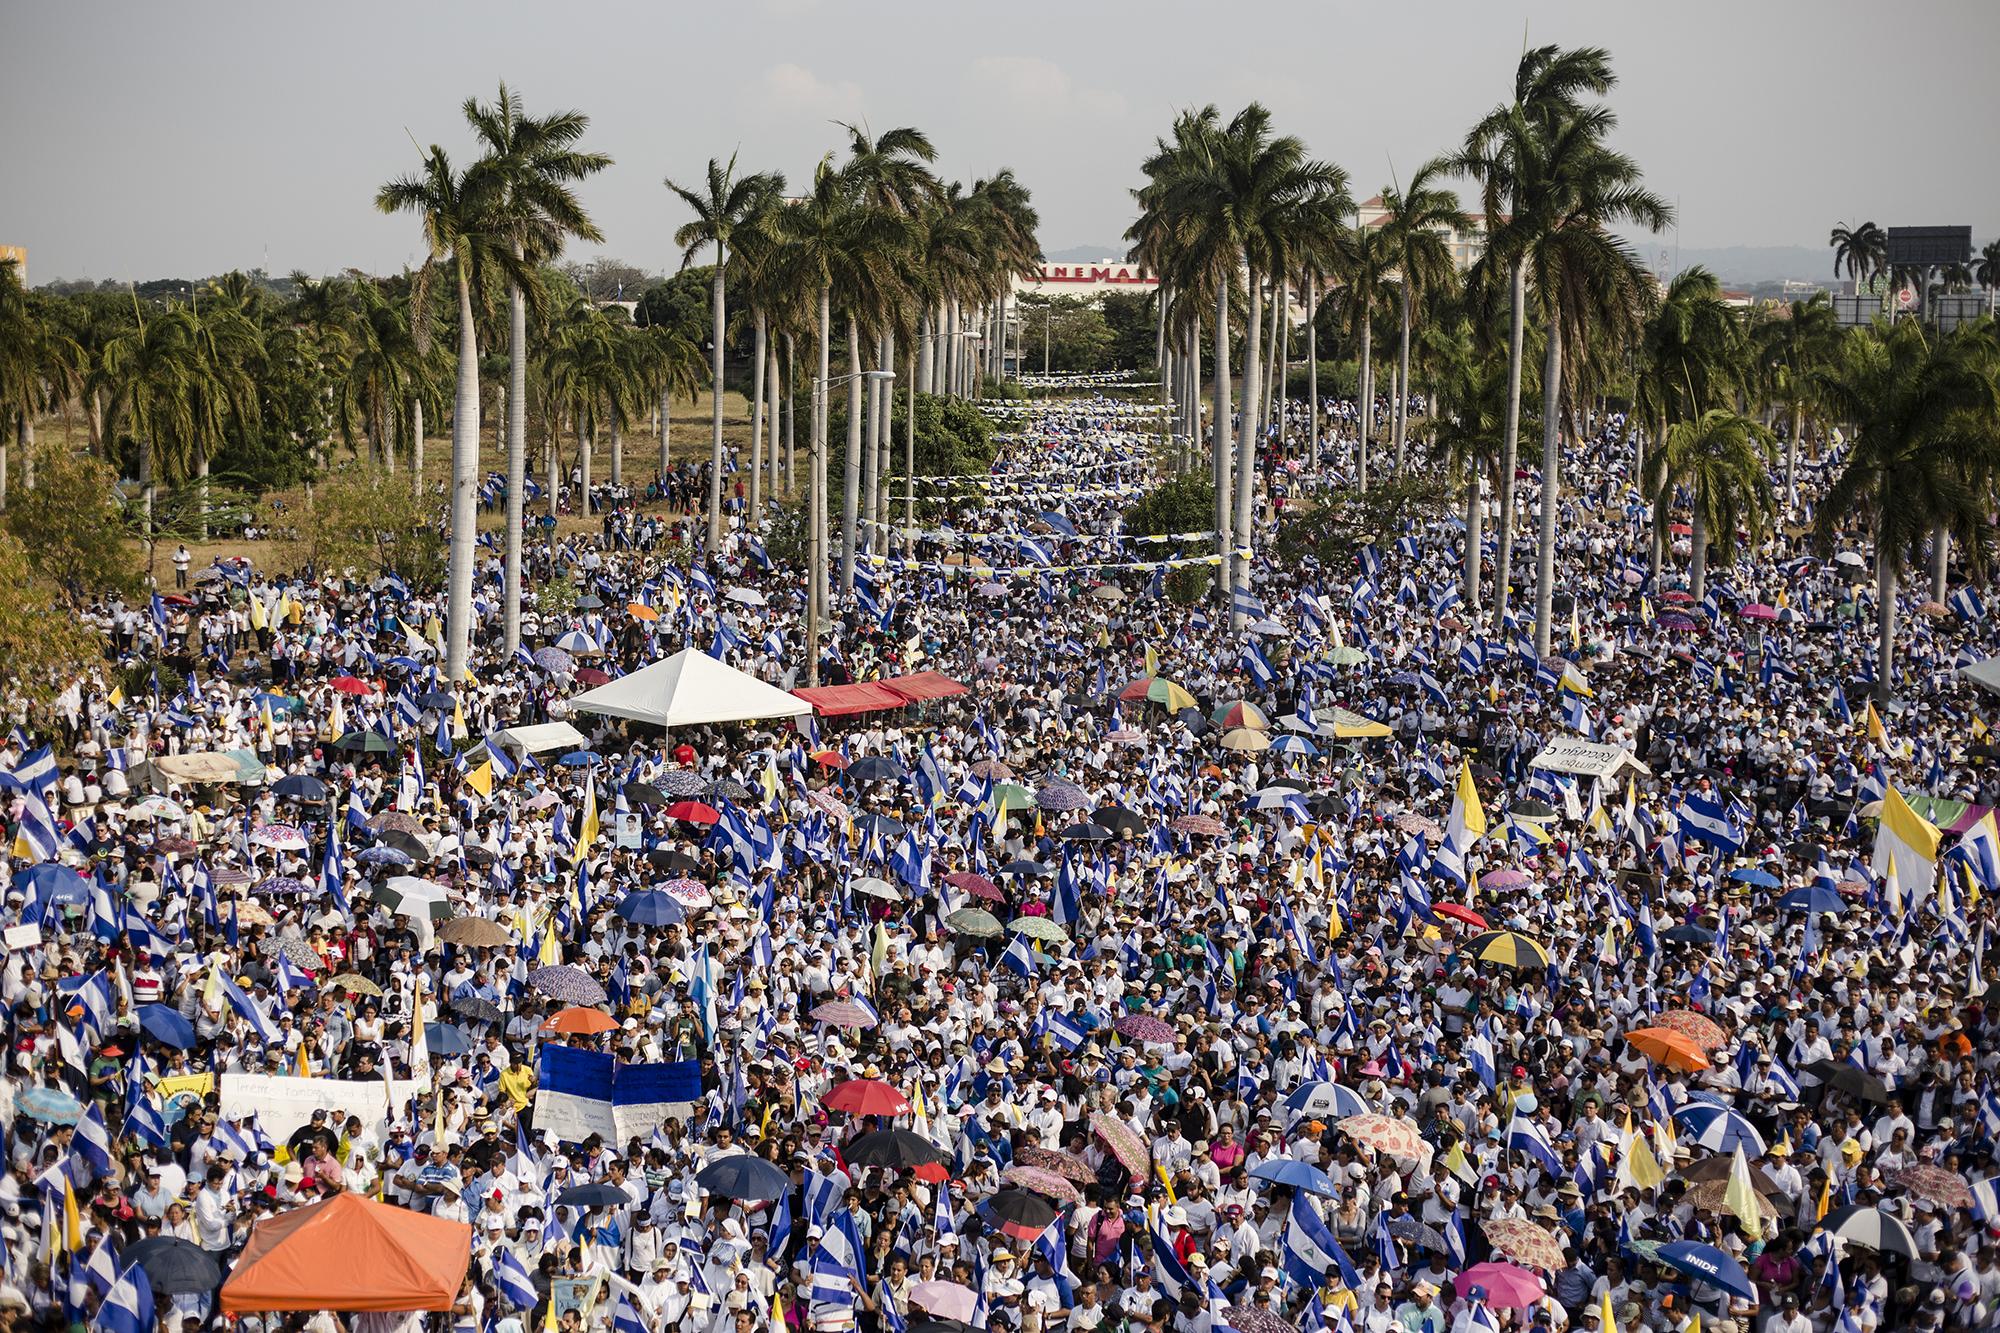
(476, 1009)
(1086, 833)
(1192, 719)
(1123, 822)
(1023, 1214)
(437, 700)
(1326, 806)
(645, 793)
(175, 1267)
(675, 861)
(298, 787)
(480, 856)
(1022, 866)
(898, 1148)
(874, 768)
(933, 1324)
(743, 1177)
(594, 1196)
(408, 844)
(1850, 1079)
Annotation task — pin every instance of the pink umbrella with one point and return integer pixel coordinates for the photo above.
(1507, 1287)
(1503, 879)
(946, 1300)
(1759, 611)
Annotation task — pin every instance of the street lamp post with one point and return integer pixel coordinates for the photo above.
(817, 559)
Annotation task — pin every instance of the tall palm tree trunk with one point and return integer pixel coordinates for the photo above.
(1367, 388)
(922, 365)
(517, 460)
(1193, 388)
(715, 437)
(1400, 412)
(816, 603)
(464, 488)
(1698, 552)
(1281, 387)
(1219, 446)
(1940, 561)
(791, 414)
(1312, 368)
(1475, 514)
(1885, 623)
(583, 461)
(851, 473)
(416, 446)
(1792, 458)
(777, 400)
(1249, 437)
(1545, 562)
(910, 462)
(666, 421)
(757, 426)
(617, 448)
(871, 458)
(885, 458)
(1510, 440)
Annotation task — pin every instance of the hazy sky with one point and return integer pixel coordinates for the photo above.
(150, 139)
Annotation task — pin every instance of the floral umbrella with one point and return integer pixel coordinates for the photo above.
(1944, 1188)
(1392, 1135)
(1202, 824)
(568, 983)
(399, 821)
(554, 660)
(1065, 1164)
(284, 884)
(281, 837)
(1411, 823)
(1525, 1243)
(1124, 1143)
(1043, 1182)
(843, 1014)
(996, 769)
(1145, 1027)
(682, 782)
(1702, 1030)
(832, 805)
(1058, 794)
(1252, 1319)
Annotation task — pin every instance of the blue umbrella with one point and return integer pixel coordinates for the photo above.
(1688, 933)
(580, 759)
(875, 768)
(1763, 879)
(1057, 521)
(1813, 898)
(743, 1177)
(651, 907)
(1707, 1264)
(1719, 1129)
(300, 787)
(53, 883)
(446, 1039)
(165, 1024)
(50, 1104)
(1296, 1174)
(384, 856)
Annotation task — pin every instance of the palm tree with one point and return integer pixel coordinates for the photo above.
(1471, 403)
(465, 227)
(1692, 359)
(1863, 251)
(156, 370)
(1589, 287)
(1722, 460)
(831, 242)
(1791, 351)
(534, 165)
(1238, 194)
(719, 207)
(1549, 84)
(1362, 297)
(1926, 414)
(1415, 229)
(1987, 273)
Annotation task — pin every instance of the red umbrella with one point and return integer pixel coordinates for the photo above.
(349, 685)
(867, 1096)
(694, 812)
(592, 676)
(829, 758)
(177, 599)
(1459, 912)
(976, 884)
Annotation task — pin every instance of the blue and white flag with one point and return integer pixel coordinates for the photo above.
(511, 1277)
(128, 1306)
(1967, 604)
(1525, 1136)
(1706, 819)
(1311, 1249)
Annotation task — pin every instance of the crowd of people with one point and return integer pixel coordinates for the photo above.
(1317, 959)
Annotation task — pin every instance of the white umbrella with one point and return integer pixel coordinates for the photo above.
(876, 887)
(747, 596)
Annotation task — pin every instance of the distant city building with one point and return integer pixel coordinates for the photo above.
(1466, 246)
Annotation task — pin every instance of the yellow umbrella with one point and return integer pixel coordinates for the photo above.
(1509, 948)
(1353, 726)
(1247, 739)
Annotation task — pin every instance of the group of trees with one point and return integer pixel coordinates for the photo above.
(1862, 253)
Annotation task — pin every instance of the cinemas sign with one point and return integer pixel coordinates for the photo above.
(1093, 275)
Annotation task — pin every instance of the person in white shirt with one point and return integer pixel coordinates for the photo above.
(214, 1212)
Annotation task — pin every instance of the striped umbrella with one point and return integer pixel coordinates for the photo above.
(1718, 1129)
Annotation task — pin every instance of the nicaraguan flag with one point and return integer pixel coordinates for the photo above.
(511, 1277)
(1527, 1137)
(128, 1306)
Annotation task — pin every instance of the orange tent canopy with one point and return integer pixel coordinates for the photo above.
(350, 1254)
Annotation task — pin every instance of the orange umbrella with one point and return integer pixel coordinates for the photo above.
(1677, 1050)
(640, 611)
(578, 1020)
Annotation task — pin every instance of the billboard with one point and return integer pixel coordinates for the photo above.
(1929, 247)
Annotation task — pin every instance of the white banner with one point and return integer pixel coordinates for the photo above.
(1573, 754)
(284, 1104)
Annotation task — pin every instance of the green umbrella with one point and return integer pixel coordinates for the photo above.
(1012, 796)
(366, 742)
(1346, 656)
(1038, 928)
(974, 921)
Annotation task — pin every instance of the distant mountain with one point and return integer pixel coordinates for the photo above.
(1742, 265)
(1078, 254)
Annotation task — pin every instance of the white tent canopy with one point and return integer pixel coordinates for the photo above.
(540, 737)
(688, 689)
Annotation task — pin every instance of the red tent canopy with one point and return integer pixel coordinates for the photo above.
(863, 696)
(349, 1254)
(922, 685)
